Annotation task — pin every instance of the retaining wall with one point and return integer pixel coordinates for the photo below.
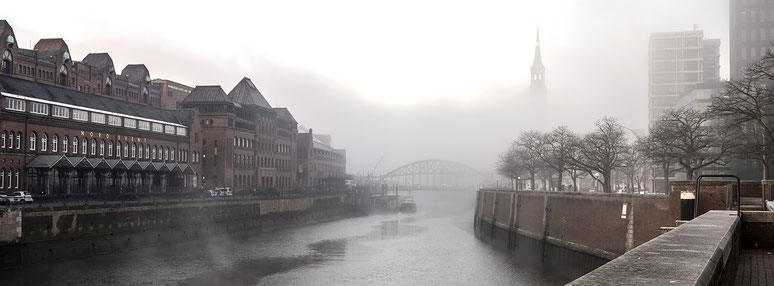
(571, 233)
(55, 233)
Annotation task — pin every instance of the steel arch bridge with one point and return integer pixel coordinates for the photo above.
(433, 174)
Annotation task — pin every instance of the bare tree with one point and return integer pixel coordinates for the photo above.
(747, 102)
(600, 151)
(691, 142)
(510, 166)
(659, 154)
(751, 142)
(632, 164)
(530, 147)
(558, 148)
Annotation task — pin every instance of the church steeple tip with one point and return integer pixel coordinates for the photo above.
(537, 78)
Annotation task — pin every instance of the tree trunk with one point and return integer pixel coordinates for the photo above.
(606, 187)
(688, 172)
(765, 170)
(532, 180)
(559, 181)
(666, 180)
(575, 183)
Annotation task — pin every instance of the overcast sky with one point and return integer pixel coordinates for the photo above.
(409, 80)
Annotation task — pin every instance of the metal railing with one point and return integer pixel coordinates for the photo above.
(738, 193)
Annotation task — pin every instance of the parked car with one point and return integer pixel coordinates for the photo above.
(224, 192)
(212, 193)
(3, 199)
(20, 197)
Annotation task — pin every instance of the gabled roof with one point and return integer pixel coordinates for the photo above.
(207, 93)
(50, 44)
(67, 96)
(246, 94)
(284, 114)
(136, 72)
(99, 60)
(4, 26)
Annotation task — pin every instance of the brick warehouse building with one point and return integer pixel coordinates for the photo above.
(78, 127)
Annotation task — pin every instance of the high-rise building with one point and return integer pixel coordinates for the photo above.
(752, 32)
(537, 84)
(677, 62)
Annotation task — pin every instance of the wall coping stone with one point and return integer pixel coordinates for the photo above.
(687, 255)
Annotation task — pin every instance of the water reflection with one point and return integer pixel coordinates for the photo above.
(434, 246)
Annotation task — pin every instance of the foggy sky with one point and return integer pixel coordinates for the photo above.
(409, 80)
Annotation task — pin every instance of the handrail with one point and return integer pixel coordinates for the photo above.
(738, 193)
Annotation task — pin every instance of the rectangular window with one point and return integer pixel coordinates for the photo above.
(158, 127)
(181, 131)
(14, 104)
(169, 129)
(144, 125)
(60, 111)
(97, 118)
(81, 115)
(39, 108)
(130, 123)
(114, 120)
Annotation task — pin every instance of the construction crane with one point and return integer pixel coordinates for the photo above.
(371, 175)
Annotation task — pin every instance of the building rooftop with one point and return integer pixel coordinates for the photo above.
(246, 94)
(36, 90)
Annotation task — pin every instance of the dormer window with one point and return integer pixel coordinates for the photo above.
(63, 75)
(7, 63)
(147, 78)
(66, 57)
(108, 86)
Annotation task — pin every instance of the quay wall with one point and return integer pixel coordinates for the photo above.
(42, 234)
(571, 233)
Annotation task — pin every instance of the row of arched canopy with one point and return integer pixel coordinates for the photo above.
(75, 162)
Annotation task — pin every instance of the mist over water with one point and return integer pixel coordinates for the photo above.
(434, 246)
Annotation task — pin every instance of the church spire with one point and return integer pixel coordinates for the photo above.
(537, 78)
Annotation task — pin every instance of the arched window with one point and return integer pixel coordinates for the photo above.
(55, 143)
(110, 148)
(64, 144)
(7, 64)
(147, 152)
(134, 150)
(18, 140)
(33, 140)
(93, 147)
(2, 178)
(172, 154)
(44, 142)
(139, 151)
(126, 149)
(102, 148)
(85, 147)
(235, 141)
(108, 86)
(3, 140)
(10, 178)
(63, 75)
(17, 178)
(153, 156)
(118, 149)
(166, 153)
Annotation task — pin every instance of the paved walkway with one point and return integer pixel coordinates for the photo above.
(756, 267)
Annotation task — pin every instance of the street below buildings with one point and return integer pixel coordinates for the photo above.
(434, 246)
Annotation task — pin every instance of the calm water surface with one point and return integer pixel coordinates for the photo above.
(434, 246)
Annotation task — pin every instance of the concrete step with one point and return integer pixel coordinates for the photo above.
(665, 229)
(680, 222)
(752, 207)
(751, 201)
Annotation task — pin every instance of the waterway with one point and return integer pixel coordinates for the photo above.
(434, 246)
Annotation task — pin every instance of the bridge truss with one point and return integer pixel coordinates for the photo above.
(433, 174)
